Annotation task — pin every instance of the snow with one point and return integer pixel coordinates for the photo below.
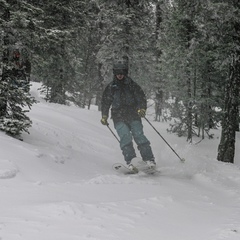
(58, 184)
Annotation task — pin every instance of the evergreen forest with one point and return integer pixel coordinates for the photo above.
(185, 54)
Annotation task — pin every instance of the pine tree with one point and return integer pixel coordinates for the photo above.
(14, 119)
(14, 84)
(128, 33)
(178, 66)
(66, 63)
(190, 67)
(230, 36)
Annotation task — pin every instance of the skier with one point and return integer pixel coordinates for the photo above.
(128, 104)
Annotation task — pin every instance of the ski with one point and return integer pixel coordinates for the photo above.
(119, 167)
(140, 165)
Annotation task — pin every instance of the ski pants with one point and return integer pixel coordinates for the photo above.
(129, 131)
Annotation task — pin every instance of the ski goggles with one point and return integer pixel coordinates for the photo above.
(120, 71)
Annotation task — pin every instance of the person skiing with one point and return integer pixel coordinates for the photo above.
(128, 105)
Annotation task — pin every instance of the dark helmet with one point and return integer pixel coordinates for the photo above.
(120, 68)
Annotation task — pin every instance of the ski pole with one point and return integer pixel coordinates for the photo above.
(113, 133)
(181, 159)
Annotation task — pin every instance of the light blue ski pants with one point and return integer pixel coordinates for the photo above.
(129, 131)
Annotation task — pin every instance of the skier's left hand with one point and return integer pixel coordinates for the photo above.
(141, 112)
(104, 120)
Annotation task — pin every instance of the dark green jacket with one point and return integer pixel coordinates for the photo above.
(124, 97)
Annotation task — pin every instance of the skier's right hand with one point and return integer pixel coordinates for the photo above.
(104, 120)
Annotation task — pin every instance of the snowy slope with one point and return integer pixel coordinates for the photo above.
(58, 184)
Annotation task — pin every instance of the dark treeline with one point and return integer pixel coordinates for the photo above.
(185, 54)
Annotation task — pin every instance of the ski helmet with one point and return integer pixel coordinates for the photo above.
(120, 68)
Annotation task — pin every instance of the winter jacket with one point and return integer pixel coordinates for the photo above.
(124, 97)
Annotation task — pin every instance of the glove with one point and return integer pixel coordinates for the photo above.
(141, 112)
(104, 120)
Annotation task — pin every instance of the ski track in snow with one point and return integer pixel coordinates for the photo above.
(59, 185)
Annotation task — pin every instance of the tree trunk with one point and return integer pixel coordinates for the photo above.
(189, 108)
(159, 90)
(226, 148)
